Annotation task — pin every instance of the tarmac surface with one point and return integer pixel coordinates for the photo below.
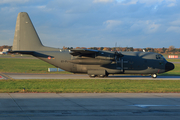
(81, 76)
(88, 106)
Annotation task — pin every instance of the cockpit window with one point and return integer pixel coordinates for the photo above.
(159, 57)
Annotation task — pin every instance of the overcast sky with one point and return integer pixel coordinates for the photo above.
(96, 23)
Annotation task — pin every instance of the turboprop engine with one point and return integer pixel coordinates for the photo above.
(99, 58)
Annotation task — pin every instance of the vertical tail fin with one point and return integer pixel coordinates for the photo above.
(25, 37)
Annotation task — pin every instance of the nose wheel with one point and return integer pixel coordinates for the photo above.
(154, 75)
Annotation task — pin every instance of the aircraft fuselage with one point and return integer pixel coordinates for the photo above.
(129, 63)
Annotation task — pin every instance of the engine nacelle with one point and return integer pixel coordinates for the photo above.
(90, 61)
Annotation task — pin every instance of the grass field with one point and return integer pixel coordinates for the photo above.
(9, 65)
(90, 86)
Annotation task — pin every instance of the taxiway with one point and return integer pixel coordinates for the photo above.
(97, 106)
(81, 76)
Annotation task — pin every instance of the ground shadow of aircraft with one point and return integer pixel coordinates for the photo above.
(87, 61)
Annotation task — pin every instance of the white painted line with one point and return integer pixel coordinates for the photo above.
(145, 106)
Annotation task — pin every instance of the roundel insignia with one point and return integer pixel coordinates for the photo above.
(49, 57)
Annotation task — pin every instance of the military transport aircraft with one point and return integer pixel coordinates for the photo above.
(91, 62)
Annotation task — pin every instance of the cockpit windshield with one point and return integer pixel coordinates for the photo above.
(164, 58)
(160, 57)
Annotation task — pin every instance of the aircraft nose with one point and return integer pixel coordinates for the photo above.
(169, 66)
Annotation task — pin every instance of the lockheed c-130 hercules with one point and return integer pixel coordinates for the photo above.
(91, 62)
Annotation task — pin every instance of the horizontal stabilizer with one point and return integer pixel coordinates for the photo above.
(36, 54)
(22, 52)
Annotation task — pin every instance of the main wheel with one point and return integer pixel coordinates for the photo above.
(101, 76)
(154, 75)
(92, 76)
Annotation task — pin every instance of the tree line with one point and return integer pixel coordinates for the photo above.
(5, 47)
(170, 50)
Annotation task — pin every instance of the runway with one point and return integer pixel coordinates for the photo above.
(81, 76)
(88, 106)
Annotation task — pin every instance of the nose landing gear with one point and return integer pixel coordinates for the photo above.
(154, 75)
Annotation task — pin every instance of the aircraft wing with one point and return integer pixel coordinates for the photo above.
(76, 52)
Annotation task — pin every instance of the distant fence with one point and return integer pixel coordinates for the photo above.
(172, 56)
(54, 69)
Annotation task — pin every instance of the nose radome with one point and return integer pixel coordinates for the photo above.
(169, 66)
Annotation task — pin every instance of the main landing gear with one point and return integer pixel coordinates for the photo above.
(101, 76)
(92, 76)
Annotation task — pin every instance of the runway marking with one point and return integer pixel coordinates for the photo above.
(146, 106)
(4, 76)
